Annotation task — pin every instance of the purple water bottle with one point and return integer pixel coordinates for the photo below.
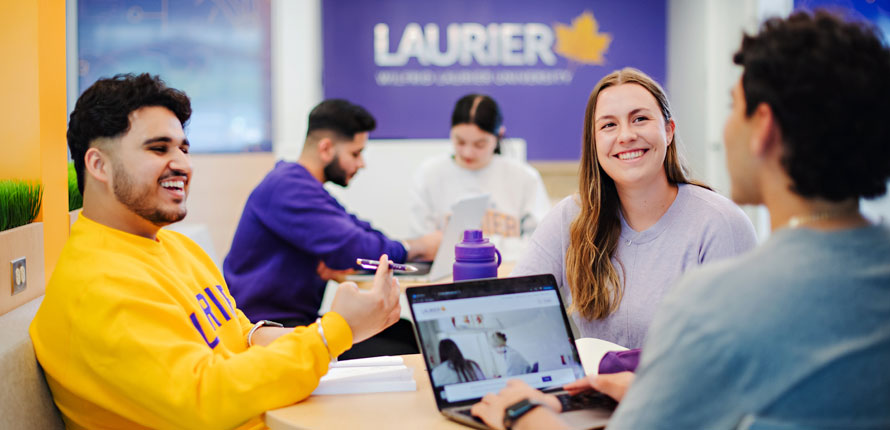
(475, 257)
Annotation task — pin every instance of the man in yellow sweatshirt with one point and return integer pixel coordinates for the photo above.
(138, 329)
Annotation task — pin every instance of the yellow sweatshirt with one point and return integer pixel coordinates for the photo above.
(136, 333)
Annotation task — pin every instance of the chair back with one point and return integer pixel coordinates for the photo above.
(25, 399)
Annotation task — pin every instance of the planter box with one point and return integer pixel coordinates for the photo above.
(25, 241)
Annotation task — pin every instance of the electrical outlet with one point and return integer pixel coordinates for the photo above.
(19, 275)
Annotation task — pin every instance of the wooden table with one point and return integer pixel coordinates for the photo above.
(400, 410)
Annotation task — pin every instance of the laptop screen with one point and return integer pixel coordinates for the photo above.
(476, 335)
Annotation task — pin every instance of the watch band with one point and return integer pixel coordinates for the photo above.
(515, 411)
(257, 326)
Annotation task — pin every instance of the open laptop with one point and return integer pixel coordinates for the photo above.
(466, 215)
(525, 311)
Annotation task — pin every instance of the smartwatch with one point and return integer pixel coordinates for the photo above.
(517, 410)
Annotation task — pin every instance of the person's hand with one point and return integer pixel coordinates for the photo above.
(329, 274)
(491, 408)
(368, 312)
(424, 248)
(614, 385)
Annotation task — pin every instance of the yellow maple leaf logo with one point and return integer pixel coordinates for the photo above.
(582, 41)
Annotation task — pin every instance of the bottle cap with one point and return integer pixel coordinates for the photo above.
(474, 247)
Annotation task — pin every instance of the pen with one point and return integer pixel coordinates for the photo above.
(373, 264)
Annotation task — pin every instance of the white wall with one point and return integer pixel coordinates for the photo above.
(296, 72)
(702, 37)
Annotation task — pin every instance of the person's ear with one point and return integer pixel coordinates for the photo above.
(502, 131)
(98, 165)
(765, 136)
(326, 149)
(669, 128)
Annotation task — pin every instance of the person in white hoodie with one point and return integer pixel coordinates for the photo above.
(518, 199)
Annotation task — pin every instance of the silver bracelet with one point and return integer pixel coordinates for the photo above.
(257, 326)
(325, 340)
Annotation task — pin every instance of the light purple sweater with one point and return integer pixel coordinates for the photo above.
(700, 226)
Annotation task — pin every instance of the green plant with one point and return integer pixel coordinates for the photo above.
(75, 199)
(19, 203)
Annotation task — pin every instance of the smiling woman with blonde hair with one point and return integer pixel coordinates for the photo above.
(638, 220)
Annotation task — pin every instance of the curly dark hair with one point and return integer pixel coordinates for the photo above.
(341, 117)
(103, 110)
(828, 83)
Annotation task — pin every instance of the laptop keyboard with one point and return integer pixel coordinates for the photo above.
(467, 413)
(586, 400)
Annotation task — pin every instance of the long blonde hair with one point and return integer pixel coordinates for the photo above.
(593, 235)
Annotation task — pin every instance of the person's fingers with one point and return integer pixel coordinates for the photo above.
(603, 383)
(394, 315)
(615, 385)
(573, 391)
(384, 264)
(396, 288)
(393, 295)
(348, 286)
(482, 410)
(552, 402)
(580, 383)
(516, 383)
(383, 276)
(579, 386)
(490, 410)
(517, 389)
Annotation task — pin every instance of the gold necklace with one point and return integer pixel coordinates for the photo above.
(799, 220)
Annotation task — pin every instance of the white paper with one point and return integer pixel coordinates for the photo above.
(367, 379)
(592, 351)
(365, 387)
(386, 360)
(370, 373)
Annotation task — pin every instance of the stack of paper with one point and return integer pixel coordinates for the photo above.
(367, 375)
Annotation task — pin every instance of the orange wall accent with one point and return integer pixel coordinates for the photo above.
(52, 100)
(32, 112)
(19, 109)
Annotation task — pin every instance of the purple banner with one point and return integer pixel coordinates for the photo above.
(409, 61)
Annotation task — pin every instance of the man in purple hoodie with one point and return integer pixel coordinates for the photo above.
(294, 236)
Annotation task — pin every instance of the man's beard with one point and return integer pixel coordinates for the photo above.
(334, 173)
(139, 201)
